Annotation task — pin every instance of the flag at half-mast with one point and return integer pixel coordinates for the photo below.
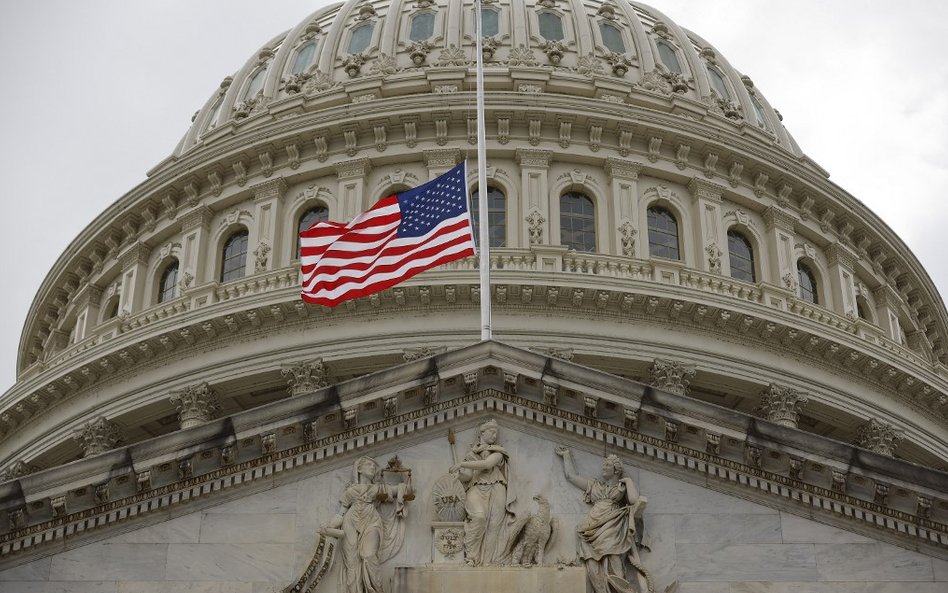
(400, 236)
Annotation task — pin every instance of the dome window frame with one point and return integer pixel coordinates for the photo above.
(296, 67)
(673, 52)
(560, 18)
(414, 19)
(368, 25)
(601, 38)
(718, 82)
(584, 244)
(496, 12)
(258, 75)
(496, 216)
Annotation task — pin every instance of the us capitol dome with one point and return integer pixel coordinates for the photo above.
(673, 280)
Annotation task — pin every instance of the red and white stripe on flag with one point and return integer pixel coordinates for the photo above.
(398, 237)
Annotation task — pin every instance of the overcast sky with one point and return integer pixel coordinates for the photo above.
(97, 92)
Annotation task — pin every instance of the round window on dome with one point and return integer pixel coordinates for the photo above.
(717, 82)
(668, 56)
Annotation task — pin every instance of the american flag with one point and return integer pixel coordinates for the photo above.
(398, 237)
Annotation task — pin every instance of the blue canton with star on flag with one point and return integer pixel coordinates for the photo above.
(424, 207)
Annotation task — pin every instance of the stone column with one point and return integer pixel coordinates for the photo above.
(879, 437)
(780, 240)
(134, 271)
(97, 436)
(534, 196)
(351, 176)
(265, 235)
(671, 375)
(624, 176)
(709, 232)
(842, 283)
(195, 225)
(196, 405)
(781, 405)
(305, 376)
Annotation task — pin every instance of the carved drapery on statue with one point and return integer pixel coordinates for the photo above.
(488, 502)
(608, 542)
(370, 524)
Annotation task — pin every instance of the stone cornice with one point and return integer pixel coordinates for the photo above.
(137, 253)
(353, 169)
(803, 332)
(442, 157)
(775, 217)
(722, 449)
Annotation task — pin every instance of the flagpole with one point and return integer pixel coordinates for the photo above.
(484, 224)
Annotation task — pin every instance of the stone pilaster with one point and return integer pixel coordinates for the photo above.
(440, 160)
(842, 282)
(671, 375)
(134, 263)
(87, 304)
(781, 405)
(98, 435)
(196, 404)
(536, 221)
(265, 238)
(306, 376)
(710, 235)
(623, 177)
(780, 245)
(195, 226)
(351, 176)
(879, 437)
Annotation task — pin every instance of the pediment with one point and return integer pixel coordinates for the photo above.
(540, 402)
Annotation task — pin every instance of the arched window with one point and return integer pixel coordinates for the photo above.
(304, 56)
(490, 24)
(422, 26)
(807, 284)
(308, 219)
(662, 233)
(111, 309)
(168, 283)
(360, 38)
(577, 222)
(256, 83)
(741, 256)
(234, 257)
(668, 56)
(551, 26)
(863, 309)
(717, 82)
(612, 37)
(496, 216)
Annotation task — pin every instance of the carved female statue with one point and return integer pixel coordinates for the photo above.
(484, 475)
(607, 535)
(369, 537)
